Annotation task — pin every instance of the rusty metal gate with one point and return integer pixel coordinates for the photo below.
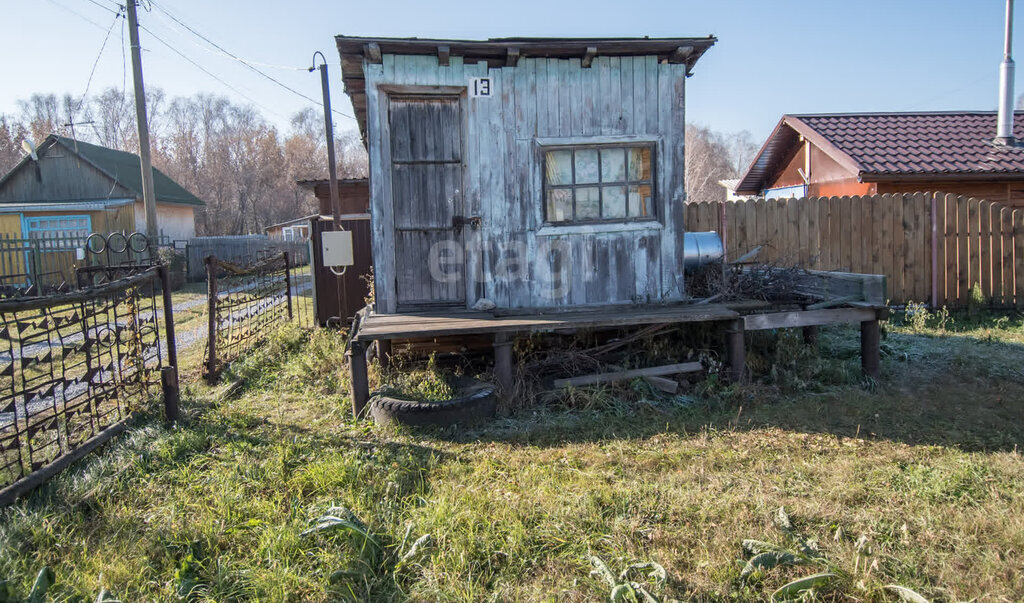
(73, 368)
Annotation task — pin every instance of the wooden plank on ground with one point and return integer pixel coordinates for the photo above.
(668, 386)
(807, 318)
(654, 371)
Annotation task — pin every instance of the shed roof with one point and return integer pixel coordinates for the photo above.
(497, 52)
(895, 146)
(121, 167)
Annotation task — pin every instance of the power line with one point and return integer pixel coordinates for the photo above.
(244, 62)
(88, 82)
(77, 14)
(209, 73)
(107, 8)
(164, 14)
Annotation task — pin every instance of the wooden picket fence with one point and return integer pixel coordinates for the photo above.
(932, 247)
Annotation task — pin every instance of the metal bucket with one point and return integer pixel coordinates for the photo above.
(701, 248)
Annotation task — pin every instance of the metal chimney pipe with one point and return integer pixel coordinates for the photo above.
(1004, 133)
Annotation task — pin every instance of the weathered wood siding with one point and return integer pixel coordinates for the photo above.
(65, 177)
(544, 101)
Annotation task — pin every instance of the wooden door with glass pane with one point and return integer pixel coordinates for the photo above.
(426, 192)
(599, 184)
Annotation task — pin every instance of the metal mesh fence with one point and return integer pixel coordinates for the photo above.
(247, 303)
(73, 365)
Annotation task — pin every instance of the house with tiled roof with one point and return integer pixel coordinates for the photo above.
(71, 188)
(824, 155)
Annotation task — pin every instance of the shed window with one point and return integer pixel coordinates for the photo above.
(599, 183)
(59, 233)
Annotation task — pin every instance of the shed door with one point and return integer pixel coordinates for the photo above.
(426, 190)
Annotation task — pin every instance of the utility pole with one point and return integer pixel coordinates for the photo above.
(332, 170)
(148, 194)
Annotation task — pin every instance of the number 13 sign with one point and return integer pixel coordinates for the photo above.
(480, 87)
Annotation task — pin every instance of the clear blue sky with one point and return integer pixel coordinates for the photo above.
(771, 58)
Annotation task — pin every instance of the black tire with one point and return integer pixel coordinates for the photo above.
(470, 408)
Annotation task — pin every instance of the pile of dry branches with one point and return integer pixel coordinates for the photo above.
(734, 282)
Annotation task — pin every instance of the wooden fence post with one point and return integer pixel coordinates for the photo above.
(870, 357)
(211, 308)
(169, 373)
(358, 381)
(736, 351)
(723, 230)
(503, 369)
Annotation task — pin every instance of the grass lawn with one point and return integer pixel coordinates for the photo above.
(916, 481)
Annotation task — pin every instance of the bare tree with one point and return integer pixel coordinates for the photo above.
(114, 115)
(712, 156)
(225, 154)
(44, 114)
(707, 162)
(11, 135)
(742, 149)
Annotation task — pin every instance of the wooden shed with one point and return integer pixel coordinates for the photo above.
(520, 186)
(523, 173)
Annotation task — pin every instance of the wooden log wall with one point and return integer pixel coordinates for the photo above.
(977, 242)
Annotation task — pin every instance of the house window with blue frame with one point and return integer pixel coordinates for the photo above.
(59, 233)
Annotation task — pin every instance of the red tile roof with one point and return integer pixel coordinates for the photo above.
(880, 146)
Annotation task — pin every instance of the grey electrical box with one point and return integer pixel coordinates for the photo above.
(337, 248)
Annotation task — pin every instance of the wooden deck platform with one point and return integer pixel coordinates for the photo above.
(440, 324)
(736, 317)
